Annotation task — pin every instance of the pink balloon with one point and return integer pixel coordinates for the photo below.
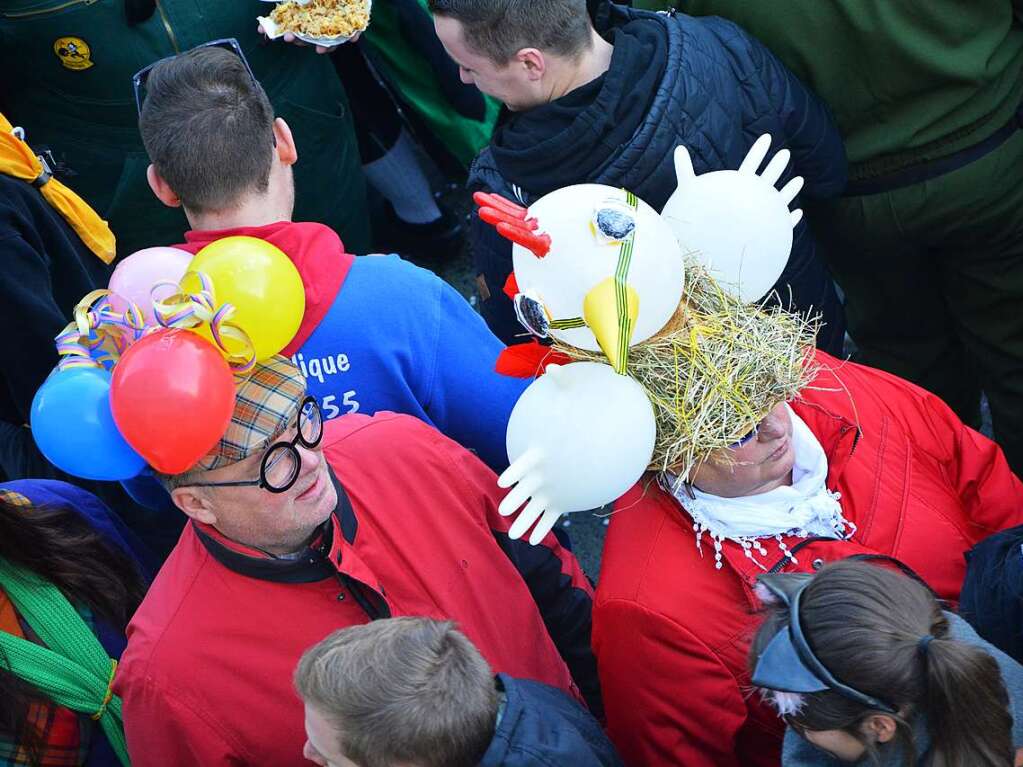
(135, 275)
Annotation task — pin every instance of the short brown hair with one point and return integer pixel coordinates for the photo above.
(208, 128)
(498, 29)
(402, 690)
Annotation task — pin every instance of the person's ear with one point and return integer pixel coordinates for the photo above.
(881, 728)
(533, 61)
(287, 152)
(195, 505)
(161, 188)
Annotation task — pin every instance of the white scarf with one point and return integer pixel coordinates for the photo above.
(806, 508)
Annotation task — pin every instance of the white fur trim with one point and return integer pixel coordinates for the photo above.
(765, 595)
(786, 703)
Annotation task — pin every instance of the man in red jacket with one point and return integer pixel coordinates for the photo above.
(860, 463)
(298, 528)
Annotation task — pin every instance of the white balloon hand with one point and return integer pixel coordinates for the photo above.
(526, 478)
(579, 437)
(737, 223)
(755, 157)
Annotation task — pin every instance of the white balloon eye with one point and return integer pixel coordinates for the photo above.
(532, 314)
(613, 221)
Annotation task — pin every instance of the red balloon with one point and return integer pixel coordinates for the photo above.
(172, 396)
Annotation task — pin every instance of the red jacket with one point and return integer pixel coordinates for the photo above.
(671, 632)
(206, 678)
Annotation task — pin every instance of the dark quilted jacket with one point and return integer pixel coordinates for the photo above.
(542, 727)
(719, 91)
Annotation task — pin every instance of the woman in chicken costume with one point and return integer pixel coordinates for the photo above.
(766, 456)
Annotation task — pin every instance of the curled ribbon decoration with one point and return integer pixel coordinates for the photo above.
(98, 335)
(192, 310)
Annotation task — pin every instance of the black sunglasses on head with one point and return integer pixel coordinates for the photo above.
(139, 79)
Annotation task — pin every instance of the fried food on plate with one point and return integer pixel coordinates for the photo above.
(322, 18)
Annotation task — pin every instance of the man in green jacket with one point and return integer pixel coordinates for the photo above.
(928, 240)
(67, 79)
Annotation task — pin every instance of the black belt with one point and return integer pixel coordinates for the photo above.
(926, 171)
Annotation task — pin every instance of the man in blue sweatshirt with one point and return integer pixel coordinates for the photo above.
(378, 333)
(415, 692)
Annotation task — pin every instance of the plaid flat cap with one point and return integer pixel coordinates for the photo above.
(266, 405)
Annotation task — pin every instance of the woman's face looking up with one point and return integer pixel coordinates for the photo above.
(761, 463)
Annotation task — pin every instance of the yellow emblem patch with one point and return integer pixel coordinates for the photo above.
(73, 52)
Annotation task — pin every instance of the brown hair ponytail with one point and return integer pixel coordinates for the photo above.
(884, 634)
(966, 705)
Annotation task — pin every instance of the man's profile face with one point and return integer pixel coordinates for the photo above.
(275, 522)
(508, 83)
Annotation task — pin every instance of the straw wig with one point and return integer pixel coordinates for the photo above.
(715, 371)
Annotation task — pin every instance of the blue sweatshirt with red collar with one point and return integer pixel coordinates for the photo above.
(380, 333)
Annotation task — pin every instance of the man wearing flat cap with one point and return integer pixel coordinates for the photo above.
(298, 528)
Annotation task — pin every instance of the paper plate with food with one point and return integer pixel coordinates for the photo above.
(318, 22)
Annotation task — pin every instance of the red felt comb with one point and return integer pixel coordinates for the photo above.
(491, 200)
(495, 216)
(512, 222)
(529, 360)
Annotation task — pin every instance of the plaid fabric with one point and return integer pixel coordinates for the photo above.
(62, 744)
(266, 405)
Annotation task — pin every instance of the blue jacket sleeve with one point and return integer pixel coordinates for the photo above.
(468, 400)
(809, 130)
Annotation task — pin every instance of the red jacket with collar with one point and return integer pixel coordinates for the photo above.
(671, 632)
(206, 678)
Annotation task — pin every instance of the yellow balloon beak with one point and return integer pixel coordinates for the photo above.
(611, 315)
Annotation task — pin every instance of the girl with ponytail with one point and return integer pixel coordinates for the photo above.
(865, 667)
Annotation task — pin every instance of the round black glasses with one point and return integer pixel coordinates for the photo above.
(282, 462)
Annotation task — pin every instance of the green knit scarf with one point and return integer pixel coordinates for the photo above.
(73, 670)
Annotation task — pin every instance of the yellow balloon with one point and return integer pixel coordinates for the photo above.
(261, 282)
(612, 328)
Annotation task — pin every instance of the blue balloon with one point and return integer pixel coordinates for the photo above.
(74, 428)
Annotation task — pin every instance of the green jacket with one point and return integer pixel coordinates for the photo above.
(908, 80)
(67, 67)
(402, 61)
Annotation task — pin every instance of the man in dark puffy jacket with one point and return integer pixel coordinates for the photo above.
(609, 104)
(415, 692)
